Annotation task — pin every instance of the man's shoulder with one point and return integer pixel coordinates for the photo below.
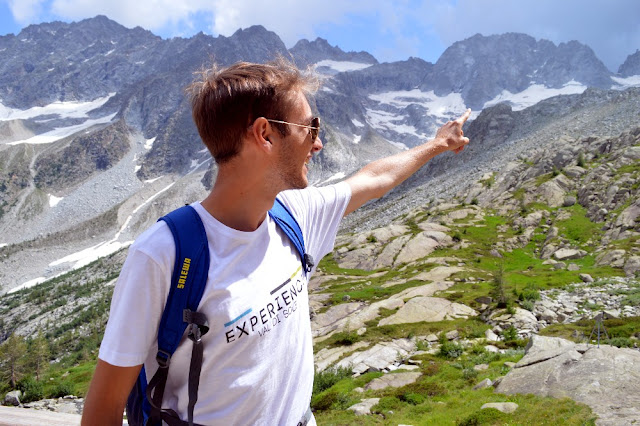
(156, 241)
(327, 193)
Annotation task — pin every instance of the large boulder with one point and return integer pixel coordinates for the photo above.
(364, 407)
(632, 266)
(360, 258)
(423, 290)
(605, 378)
(352, 316)
(614, 258)
(379, 357)
(394, 380)
(12, 398)
(386, 257)
(551, 194)
(429, 309)
(569, 254)
(423, 244)
(327, 356)
(523, 320)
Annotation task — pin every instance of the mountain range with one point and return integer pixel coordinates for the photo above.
(97, 141)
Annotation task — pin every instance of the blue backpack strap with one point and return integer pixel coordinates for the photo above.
(285, 220)
(189, 276)
(188, 281)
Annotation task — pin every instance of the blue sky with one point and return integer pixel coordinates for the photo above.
(390, 30)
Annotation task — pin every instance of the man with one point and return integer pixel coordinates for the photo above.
(258, 358)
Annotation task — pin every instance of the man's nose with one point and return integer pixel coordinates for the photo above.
(317, 145)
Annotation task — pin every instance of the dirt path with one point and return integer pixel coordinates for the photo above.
(23, 416)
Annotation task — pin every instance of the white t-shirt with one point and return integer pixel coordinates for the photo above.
(258, 356)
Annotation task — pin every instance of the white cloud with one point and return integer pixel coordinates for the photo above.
(149, 14)
(25, 11)
(290, 19)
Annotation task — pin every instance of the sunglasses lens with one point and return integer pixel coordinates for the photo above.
(315, 124)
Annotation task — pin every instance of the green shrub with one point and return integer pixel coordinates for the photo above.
(530, 292)
(469, 374)
(63, 389)
(323, 380)
(424, 388)
(483, 417)
(450, 350)
(620, 342)
(346, 338)
(32, 390)
(422, 345)
(325, 401)
(430, 369)
(528, 305)
(510, 334)
(413, 398)
(387, 403)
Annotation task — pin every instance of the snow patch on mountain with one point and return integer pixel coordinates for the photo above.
(91, 254)
(383, 120)
(342, 66)
(63, 132)
(28, 284)
(438, 106)
(53, 200)
(626, 82)
(70, 109)
(153, 180)
(336, 177)
(534, 94)
(148, 143)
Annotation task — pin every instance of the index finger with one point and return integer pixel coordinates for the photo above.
(464, 117)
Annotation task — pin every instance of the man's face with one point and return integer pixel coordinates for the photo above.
(296, 149)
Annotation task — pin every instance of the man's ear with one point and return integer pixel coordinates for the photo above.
(261, 133)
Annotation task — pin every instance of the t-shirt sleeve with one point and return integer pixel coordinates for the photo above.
(318, 212)
(138, 299)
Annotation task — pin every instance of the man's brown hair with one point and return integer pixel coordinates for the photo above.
(226, 101)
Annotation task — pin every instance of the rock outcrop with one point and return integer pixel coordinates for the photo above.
(606, 378)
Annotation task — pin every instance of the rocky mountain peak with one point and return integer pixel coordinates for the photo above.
(631, 65)
(308, 52)
(481, 67)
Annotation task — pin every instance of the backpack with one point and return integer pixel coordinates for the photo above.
(187, 286)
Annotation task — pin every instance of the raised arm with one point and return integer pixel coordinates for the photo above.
(108, 394)
(380, 176)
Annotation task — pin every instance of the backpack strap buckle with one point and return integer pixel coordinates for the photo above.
(308, 262)
(198, 324)
(163, 358)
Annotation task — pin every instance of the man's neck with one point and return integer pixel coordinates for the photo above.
(240, 199)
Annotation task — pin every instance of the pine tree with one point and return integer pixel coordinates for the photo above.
(13, 358)
(39, 353)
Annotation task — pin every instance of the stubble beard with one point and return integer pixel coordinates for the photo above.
(292, 175)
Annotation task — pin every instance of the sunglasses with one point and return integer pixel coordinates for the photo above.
(314, 127)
